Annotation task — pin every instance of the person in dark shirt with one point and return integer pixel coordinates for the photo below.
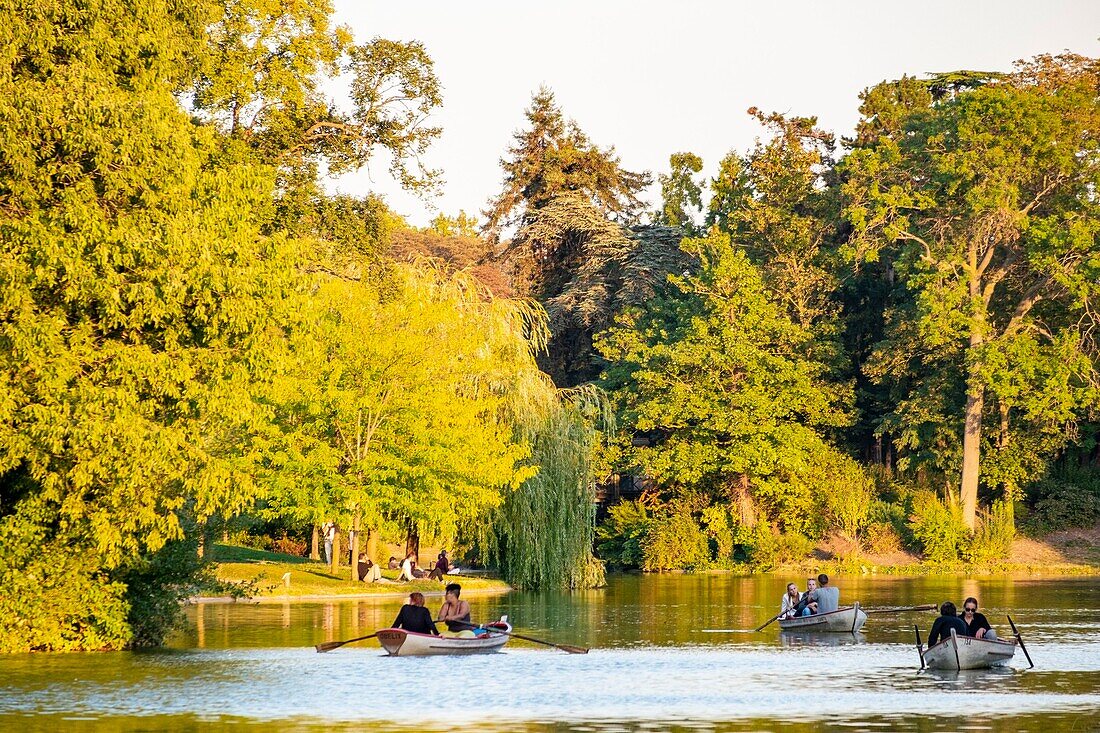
(414, 617)
(976, 623)
(948, 620)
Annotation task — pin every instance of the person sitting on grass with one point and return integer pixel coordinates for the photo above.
(368, 571)
(948, 620)
(414, 617)
(455, 612)
(976, 623)
(407, 568)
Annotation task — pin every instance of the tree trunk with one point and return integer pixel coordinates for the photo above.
(972, 434)
(412, 544)
(314, 550)
(353, 538)
(372, 544)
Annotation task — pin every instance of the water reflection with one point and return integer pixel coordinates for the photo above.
(669, 653)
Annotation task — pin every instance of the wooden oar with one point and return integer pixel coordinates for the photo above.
(920, 645)
(563, 647)
(328, 646)
(900, 609)
(1020, 641)
(769, 621)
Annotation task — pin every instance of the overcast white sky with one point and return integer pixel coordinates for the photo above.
(653, 78)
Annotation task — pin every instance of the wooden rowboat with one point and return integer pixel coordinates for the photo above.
(968, 652)
(843, 620)
(401, 643)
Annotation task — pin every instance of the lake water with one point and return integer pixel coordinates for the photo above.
(668, 653)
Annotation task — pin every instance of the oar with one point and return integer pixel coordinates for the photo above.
(769, 622)
(1020, 641)
(328, 646)
(563, 647)
(920, 646)
(900, 609)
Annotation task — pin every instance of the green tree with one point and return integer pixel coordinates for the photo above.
(553, 157)
(716, 371)
(986, 197)
(681, 194)
(139, 305)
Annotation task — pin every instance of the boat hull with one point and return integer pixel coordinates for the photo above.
(968, 652)
(401, 643)
(843, 620)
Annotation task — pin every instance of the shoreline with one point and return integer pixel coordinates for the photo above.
(315, 597)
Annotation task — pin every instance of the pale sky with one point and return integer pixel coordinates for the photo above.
(653, 78)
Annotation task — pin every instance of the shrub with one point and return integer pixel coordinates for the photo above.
(992, 540)
(676, 541)
(939, 529)
(880, 538)
(620, 538)
(1067, 498)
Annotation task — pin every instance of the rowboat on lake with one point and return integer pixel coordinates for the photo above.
(401, 643)
(846, 620)
(968, 652)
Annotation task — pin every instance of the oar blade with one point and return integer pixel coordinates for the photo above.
(572, 649)
(328, 646)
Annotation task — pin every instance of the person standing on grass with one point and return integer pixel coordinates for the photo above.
(328, 531)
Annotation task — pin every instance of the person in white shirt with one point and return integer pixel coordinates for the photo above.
(790, 600)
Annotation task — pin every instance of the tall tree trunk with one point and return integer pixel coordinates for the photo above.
(334, 561)
(412, 543)
(972, 427)
(314, 550)
(353, 538)
(372, 544)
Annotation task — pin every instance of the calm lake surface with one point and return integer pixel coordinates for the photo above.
(657, 663)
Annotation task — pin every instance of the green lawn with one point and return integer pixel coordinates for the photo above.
(242, 564)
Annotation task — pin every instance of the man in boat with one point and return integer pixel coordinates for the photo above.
(828, 596)
(976, 623)
(788, 607)
(455, 612)
(941, 628)
(414, 617)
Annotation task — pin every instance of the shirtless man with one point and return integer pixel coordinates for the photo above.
(454, 609)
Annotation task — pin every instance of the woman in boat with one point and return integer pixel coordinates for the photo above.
(976, 623)
(790, 601)
(455, 612)
(414, 617)
(941, 628)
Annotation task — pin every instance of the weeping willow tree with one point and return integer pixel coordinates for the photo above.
(541, 535)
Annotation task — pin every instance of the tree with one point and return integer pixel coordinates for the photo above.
(555, 157)
(987, 196)
(681, 194)
(260, 79)
(716, 371)
(775, 203)
(140, 303)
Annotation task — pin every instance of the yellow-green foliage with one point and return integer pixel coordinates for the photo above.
(939, 529)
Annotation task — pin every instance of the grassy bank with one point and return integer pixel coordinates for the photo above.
(308, 580)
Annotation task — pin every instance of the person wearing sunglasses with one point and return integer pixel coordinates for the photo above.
(976, 623)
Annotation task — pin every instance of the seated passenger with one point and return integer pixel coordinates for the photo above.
(976, 623)
(828, 596)
(455, 612)
(808, 605)
(941, 628)
(790, 601)
(414, 617)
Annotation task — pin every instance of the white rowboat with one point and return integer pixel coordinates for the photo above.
(401, 643)
(843, 620)
(968, 652)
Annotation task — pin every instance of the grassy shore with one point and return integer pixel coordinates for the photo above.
(312, 580)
